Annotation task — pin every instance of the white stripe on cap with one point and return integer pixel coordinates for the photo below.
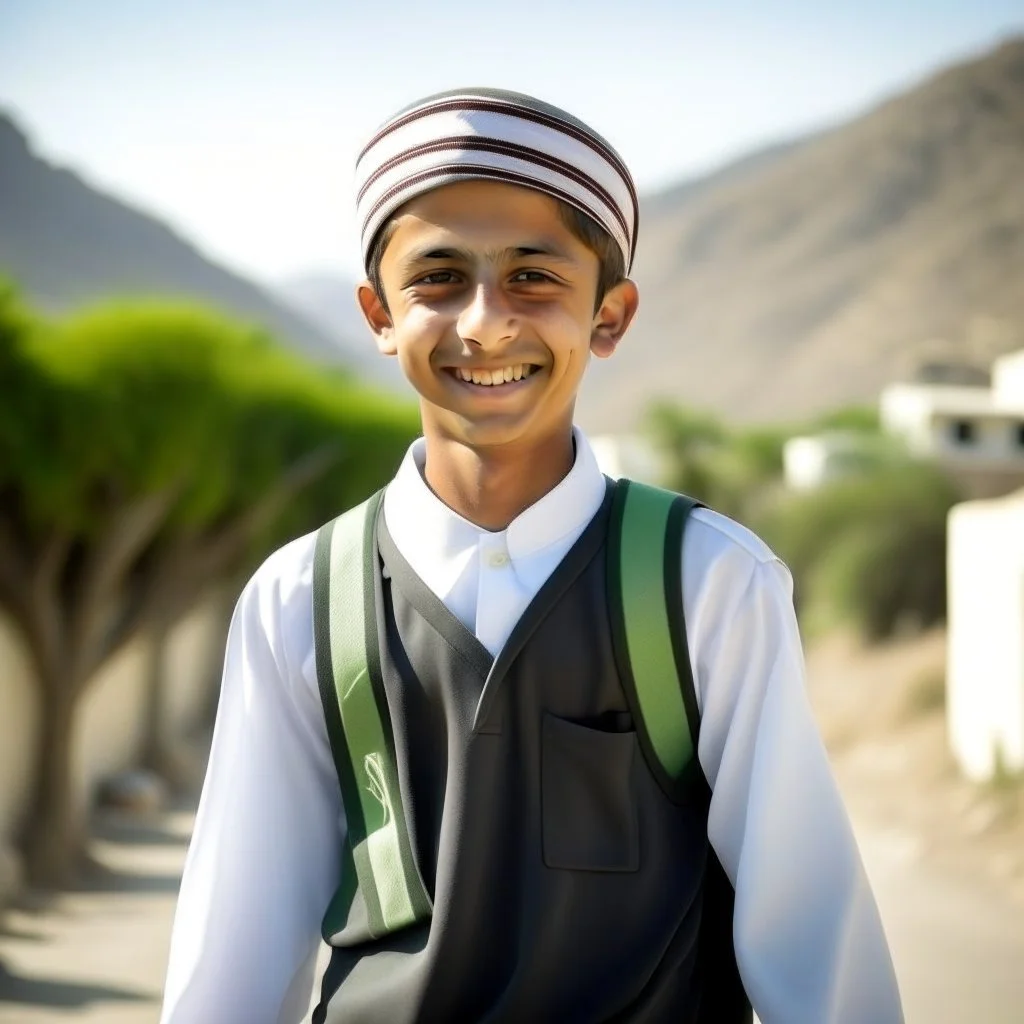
(499, 136)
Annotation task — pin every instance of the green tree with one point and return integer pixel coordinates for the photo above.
(692, 442)
(730, 470)
(146, 451)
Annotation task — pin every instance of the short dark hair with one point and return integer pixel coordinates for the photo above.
(612, 266)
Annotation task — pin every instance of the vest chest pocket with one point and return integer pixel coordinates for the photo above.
(588, 806)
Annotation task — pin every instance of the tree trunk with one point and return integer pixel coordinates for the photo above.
(158, 750)
(55, 833)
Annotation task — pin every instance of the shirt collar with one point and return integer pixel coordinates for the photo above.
(438, 543)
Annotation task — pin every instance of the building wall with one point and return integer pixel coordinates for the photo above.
(994, 438)
(987, 460)
(111, 721)
(804, 461)
(1008, 379)
(193, 660)
(985, 680)
(813, 461)
(909, 410)
(111, 726)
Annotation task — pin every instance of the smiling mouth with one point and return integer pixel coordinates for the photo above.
(494, 378)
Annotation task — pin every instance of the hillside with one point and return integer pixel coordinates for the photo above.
(800, 277)
(66, 243)
(329, 302)
(815, 272)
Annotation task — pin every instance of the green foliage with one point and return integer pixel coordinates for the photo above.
(871, 549)
(863, 419)
(146, 452)
(1004, 779)
(126, 400)
(26, 392)
(724, 468)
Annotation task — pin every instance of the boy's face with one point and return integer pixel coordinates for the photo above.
(485, 280)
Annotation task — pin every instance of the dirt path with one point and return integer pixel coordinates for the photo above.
(98, 957)
(957, 944)
(882, 714)
(946, 860)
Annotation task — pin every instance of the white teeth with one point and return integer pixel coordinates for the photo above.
(490, 378)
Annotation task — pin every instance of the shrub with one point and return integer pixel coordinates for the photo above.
(871, 549)
(729, 470)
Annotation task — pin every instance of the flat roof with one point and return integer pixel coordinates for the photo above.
(953, 399)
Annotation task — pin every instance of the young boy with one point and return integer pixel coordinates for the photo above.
(553, 879)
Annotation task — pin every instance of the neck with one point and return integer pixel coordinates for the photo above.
(491, 486)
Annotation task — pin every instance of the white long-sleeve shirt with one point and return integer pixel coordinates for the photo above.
(265, 854)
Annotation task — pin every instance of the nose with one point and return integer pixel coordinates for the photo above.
(487, 320)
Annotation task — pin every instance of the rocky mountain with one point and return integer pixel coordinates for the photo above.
(814, 273)
(328, 301)
(801, 277)
(66, 243)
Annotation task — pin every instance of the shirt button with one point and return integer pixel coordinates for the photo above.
(497, 559)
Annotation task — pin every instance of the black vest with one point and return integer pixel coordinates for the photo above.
(566, 886)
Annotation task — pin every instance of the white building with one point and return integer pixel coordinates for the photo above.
(815, 460)
(985, 668)
(976, 432)
(1008, 379)
(630, 456)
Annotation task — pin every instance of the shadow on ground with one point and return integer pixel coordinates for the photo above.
(109, 881)
(99, 877)
(63, 994)
(128, 832)
(112, 830)
(8, 931)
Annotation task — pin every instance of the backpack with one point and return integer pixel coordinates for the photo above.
(645, 538)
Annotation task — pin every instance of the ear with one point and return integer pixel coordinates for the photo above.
(612, 320)
(377, 317)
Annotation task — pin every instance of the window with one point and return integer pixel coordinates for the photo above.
(963, 432)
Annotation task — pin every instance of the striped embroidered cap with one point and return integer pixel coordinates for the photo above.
(500, 136)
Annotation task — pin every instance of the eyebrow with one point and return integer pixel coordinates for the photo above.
(429, 253)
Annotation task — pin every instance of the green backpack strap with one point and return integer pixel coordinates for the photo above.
(648, 629)
(649, 634)
(378, 855)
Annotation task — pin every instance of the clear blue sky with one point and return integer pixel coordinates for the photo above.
(239, 122)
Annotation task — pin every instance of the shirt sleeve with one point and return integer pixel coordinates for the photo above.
(809, 941)
(266, 847)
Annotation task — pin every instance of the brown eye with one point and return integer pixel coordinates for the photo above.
(531, 277)
(436, 277)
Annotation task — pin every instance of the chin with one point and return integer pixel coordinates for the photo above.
(493, 435)
(489, 432)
